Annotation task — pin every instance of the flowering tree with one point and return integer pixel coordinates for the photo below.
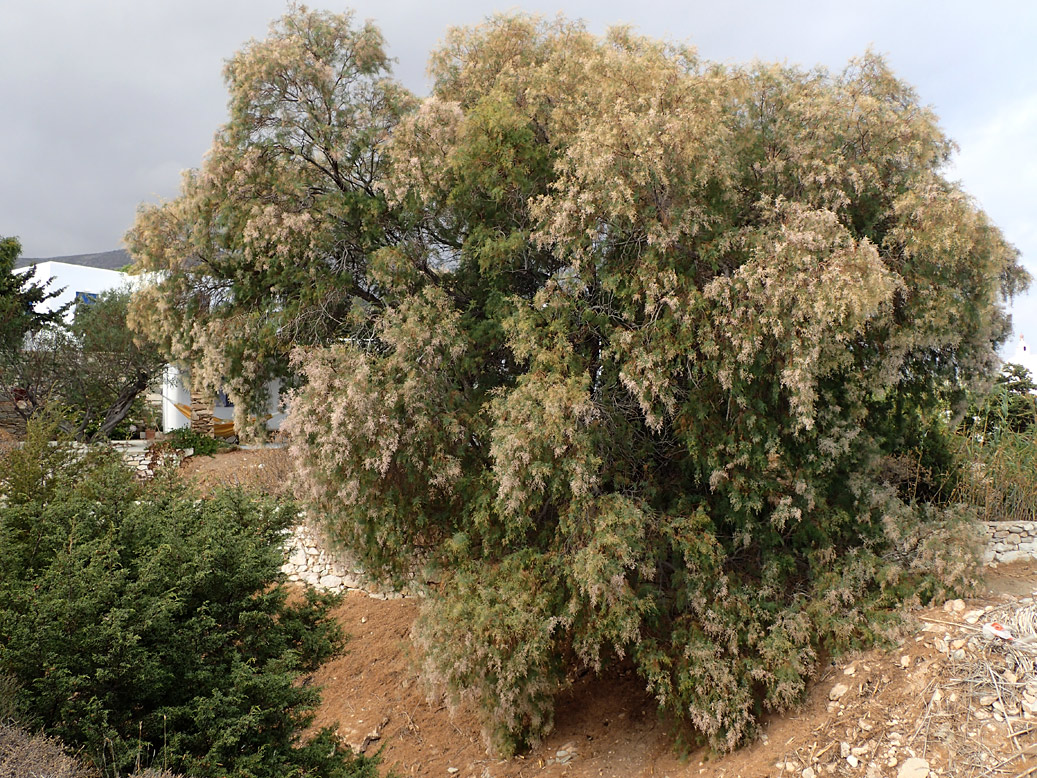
(613, 340)
(637, 360)
(268, 243)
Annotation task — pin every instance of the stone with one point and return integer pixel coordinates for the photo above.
(808, 772)
(915, 767)
(853, 761)
(838, 691)
(844, 749)
(453, 770)
(331, 581)
(954, 606)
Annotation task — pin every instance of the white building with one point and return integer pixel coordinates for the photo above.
(1024, 355)
(75, 281)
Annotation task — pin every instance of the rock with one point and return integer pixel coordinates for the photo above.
(844, 749)
(851, 670)
(808, 772)
(453, 770)
(905, 661)
(941, 645)
(330, 581)
(915, 767)
(838, 691)
(954, 606)
(853, 761)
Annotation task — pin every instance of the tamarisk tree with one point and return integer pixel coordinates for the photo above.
(267, 245)
(613, 340)
(638, 359)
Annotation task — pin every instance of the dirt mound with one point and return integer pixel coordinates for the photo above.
(946, 699)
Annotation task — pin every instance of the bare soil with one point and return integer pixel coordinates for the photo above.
(943, 693)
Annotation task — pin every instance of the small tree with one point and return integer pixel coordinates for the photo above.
(94, 367)
(20, 298)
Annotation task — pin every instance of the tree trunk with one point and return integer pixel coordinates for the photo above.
(121, 406)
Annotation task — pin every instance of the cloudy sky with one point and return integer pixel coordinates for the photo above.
(106, 101)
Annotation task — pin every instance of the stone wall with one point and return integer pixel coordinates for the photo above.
(1008, 541)
(144, 459)
(308, 560)
(11, 421)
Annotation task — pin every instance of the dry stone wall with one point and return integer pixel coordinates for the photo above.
(145, 459)
(1009, 541)
(309, 560)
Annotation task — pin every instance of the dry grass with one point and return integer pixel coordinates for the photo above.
(1000, 481)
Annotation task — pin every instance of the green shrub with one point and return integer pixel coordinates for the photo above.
(149, 627)
(203, 445)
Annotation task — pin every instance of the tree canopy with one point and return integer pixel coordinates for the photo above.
(626, 347)
(19, 298)
(94, 368)
(268, 243)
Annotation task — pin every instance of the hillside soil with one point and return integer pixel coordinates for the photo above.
(942, 700)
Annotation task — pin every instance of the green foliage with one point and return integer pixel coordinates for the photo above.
(1010, 406)
(96, 369)
(184, 438)
(147, 626)
(630, 347)
(997, 444)
(267, 245)
(18, 299)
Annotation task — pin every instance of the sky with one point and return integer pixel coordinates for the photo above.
(105, 102)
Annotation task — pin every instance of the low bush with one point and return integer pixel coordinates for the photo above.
(149, 628)
(203, 445)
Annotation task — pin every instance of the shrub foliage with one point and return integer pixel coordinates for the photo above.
(627, 358)
(147, 627)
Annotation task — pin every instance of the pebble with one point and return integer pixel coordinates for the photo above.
(915, 767)
(853, 761)
(838, 691)
(808, 772)
(453, 770)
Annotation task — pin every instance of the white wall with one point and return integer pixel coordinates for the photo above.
(1026, 356)
(75, 278)
(174, 391)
